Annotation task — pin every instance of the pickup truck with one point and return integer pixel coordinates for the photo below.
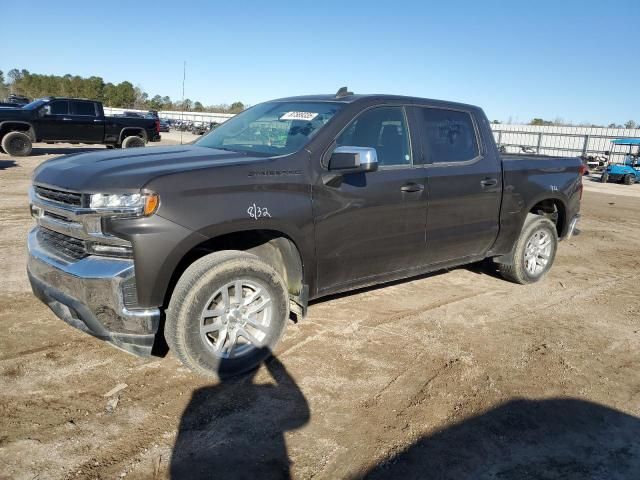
(215, 245)
(70, 120)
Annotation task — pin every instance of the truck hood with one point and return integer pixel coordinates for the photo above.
(130, 169)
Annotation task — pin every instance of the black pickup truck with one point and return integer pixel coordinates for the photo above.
(215, 245)
(71, 120)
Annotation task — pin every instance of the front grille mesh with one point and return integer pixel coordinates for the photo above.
(70, 247)
(59, 196)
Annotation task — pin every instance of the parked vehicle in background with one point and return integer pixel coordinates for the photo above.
(291, 200)
(164, 125)
(628, 172)
(71, 120)
(15, 101)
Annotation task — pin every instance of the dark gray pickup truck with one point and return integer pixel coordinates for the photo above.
(71, 120)
(215, 246)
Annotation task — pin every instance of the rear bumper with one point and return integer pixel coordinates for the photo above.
(155, 137)
(88, 295)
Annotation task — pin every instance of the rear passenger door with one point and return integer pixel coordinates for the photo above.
(85, 125)
(464, 186)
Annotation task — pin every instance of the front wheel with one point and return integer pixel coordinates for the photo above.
(227, 313)
(629, 179)
(534, 252)
(17, 144)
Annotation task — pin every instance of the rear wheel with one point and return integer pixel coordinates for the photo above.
(133, 142)
(227, 313)
(534, 252)
(17, 144)
(629, 179)
(605, 177)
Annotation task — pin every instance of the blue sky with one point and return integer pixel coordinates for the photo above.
(518, 59)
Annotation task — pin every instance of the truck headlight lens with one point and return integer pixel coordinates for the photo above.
(133, 203)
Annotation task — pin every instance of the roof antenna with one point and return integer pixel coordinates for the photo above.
(343, 92)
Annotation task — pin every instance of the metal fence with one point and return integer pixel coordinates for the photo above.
(205, 117)
(564, 141)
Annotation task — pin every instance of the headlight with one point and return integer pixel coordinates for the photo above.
(132, 203)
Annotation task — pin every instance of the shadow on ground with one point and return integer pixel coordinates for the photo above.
(548, 439)
(53, 150)
(5, 164)
(235, 430)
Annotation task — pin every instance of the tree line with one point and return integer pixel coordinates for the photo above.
(121, 95)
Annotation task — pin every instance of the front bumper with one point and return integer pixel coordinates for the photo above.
(88, 294)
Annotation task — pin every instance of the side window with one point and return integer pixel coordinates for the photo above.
(59, 107)
(449, 136)
(382, 128)
(83, 108)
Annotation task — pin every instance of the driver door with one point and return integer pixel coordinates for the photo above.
(52, 123)
(372, 224)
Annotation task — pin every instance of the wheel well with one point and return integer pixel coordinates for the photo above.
(274, 248)
(554, 210)
(16, 127)
(132, 132)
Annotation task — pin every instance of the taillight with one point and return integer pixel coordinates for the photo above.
(157, 126)
(584, 170)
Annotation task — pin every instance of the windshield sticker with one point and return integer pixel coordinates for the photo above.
(308, 116)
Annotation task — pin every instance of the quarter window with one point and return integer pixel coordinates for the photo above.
(449, 136)
(382, 128)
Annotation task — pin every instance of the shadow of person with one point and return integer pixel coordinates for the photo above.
(546, 439)
(235, 430)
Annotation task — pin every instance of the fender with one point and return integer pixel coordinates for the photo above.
(132, 129)
(30, 131)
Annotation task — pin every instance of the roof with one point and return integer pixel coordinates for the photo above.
(370, 97)
(626, 141)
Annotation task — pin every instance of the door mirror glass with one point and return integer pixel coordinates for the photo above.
(349, 159)
(46, 110)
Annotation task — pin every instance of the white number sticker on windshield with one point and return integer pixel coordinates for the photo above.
(308, 116)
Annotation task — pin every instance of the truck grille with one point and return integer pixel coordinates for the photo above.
(70, 247)
(59, 196)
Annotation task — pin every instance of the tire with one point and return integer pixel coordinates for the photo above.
(199, 290)
(629, 179)
(605, 177)
(133, 142)
(17, 144)
(517, 271)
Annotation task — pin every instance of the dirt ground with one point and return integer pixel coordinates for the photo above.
(453, 375)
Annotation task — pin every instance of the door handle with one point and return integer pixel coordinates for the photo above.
(411, 187)
(66, 119)
(97, 120)
(489, 182)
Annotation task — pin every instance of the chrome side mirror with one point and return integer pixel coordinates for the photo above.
(349, 159)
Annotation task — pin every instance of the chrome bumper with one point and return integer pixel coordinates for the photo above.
(88, 294)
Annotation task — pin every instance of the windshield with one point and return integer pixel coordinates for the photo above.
(35, 104)
(273, 128)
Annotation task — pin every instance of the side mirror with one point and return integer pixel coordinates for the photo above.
(353, 160)
(46, 110)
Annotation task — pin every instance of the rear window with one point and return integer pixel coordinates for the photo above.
(449, 136)
(83, 108)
